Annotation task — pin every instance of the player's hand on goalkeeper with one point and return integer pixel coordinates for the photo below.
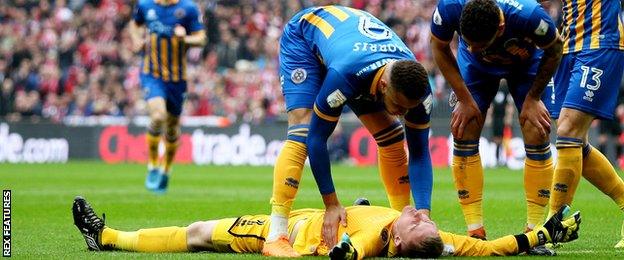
(557, 229)
(334, 215)
(344, 250)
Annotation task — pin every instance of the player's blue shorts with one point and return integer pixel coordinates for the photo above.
(301, 72)
(483, 80)
(173, 92)
(587, 81)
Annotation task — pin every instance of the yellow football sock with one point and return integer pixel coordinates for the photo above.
(532, 238)
(286, 176)
(152, 148)
(567, 173)
(598, 171)
(393, 170)
(170, 151)
(468, 177)
(153, 240)
(537, 181)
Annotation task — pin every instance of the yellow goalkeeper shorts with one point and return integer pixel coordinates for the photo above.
(245, 234)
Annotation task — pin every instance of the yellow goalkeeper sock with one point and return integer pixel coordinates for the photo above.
(468, 177)
(393, 172)
(598, 171)
(152, 240)
(567, 173)
(538, 172)
(533, 239)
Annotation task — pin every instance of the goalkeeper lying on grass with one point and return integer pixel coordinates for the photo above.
(372, 231)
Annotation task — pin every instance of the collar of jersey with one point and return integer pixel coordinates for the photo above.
(168, 3)
(392, 250)
(373, 87)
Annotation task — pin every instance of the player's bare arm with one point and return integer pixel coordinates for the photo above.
(137, 35)
(466, 108)
(533, 108)
(195, 39)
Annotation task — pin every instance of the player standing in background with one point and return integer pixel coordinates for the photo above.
(498, 40)
(333, 56)
(172, 26)
(586, 86)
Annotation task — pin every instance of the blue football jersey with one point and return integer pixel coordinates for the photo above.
(164, 56)
(527, 26)
(352, 43)
(592, 24)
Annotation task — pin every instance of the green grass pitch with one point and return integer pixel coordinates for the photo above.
(42, 225)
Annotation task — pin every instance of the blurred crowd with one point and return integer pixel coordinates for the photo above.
(62, 58)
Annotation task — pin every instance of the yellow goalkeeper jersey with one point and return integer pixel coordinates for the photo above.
(369, 227)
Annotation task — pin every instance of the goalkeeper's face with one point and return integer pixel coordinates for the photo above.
(412, 228)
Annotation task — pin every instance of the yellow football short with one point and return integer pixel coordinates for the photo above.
(245, 234)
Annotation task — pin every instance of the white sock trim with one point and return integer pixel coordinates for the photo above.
(472, 227)
(278, 227)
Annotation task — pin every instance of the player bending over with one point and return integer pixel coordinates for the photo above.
(336, 56)
(373, 232)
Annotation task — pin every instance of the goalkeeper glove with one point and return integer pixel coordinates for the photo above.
(556, 229)
(344, 250)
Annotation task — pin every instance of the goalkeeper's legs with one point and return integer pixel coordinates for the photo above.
(195, 237)
(286, 178)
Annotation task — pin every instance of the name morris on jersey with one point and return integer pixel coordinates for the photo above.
(373, 47)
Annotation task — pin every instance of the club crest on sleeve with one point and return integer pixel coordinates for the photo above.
(437, 18)
(336, 99)
(298, 75)
(542, 28)
(428, 103)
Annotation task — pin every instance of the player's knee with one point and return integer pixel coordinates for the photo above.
(388, 137)
(199, 235)
(172, 134)
(155, 127)
(299, 116)
(158, 117)
(472, 131)
(568, 129)
(172, 130)
(532, 135)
